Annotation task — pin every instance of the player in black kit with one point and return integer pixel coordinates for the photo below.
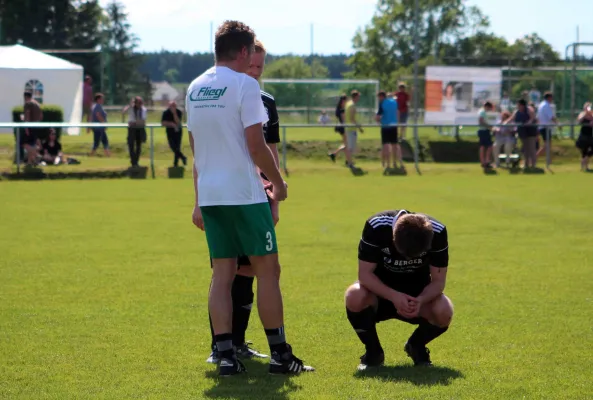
(402, 268)
(242, 290)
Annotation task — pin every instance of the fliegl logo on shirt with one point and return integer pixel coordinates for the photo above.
(206, 94)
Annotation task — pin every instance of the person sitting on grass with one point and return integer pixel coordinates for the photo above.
(52, 150)
(485, 135)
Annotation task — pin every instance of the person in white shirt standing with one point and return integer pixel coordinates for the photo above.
(225, 117)
(546, 116)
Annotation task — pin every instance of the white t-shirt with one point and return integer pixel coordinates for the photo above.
(220, 104)
(545, 114)
(132, 114)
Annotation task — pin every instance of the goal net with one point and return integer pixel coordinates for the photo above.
(302, 101)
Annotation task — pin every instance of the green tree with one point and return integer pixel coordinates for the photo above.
(386, 44)
(531, 50)
(124, 79)
(295, 68)
(295, 94)
(171, 75)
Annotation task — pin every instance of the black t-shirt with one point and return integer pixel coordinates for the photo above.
(168, 116)
(340, 114)
(272, 127)
(393, 269)
(52, 150)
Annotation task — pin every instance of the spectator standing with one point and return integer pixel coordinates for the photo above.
(485, 135)
(546, 116)
(403, 102)
(352, 130)
(172, 121)
(505, 103)
(31, 141)
(387, 115)
(524, 117)
(98, 115)
(87, 100)
(340, 109)
(503, 138)
(324, 118)
(534, 95)
(585, 140)
(136, 129)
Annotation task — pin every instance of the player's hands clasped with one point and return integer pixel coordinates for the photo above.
(279, 192)
(196, 217)
(406, 306)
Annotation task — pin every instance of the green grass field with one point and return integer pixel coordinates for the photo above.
(103, 288)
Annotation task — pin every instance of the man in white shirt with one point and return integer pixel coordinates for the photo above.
(546, 116)
(225, 117)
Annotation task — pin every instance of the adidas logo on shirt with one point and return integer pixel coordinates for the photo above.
(386, 251)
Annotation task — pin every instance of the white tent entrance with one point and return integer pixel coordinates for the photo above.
(50, 79)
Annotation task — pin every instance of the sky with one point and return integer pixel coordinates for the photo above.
(285, 26)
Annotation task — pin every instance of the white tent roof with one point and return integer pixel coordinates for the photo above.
(21, 57)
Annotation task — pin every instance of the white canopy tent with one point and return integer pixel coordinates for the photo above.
(50, 79)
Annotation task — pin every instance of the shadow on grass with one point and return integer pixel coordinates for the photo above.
(534, 171)
(490, 171)
(395, 172)
(358, 171)
(37, 174)
(419, 376)
(256, 384)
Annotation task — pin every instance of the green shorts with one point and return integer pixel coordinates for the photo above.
(232, 231)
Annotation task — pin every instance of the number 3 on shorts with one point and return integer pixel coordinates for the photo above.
(270, 244)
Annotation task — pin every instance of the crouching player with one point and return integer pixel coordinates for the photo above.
(402, 268)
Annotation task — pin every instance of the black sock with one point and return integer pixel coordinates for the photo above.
(425, 333)
(242, 293)
(276, 340)
(224, 345)
(366, 328)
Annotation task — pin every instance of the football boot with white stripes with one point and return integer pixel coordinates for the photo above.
(287, 363)
(227, 367)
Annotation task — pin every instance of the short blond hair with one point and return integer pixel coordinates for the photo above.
(259, 47)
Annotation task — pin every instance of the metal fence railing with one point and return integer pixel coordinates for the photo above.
(18, 127)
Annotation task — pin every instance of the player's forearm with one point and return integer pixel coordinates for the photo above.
(374, 285)
(432, 291)
(274, 149)
(264, 160)
(195, 174)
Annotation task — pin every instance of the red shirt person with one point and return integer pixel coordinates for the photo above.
(403, 99)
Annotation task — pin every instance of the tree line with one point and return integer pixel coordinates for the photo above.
(451, 32)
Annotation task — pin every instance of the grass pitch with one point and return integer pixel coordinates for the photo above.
(103, 289)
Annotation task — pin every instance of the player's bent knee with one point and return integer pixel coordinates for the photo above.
(357, 298)
(442, 311)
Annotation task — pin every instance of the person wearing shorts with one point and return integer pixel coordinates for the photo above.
(585, 139)
(402, 268)
(485, 135)
(353, 128)
(242, 289)
(387, 115)
(340, 130)
(546, 117)
(31, 139)
(225, 118)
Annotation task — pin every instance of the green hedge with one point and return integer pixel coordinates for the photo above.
(51, 113)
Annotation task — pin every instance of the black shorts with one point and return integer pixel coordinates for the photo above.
(386, 311)
(389, 135)
(31, 138)
(340, 130)
(544, 134)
